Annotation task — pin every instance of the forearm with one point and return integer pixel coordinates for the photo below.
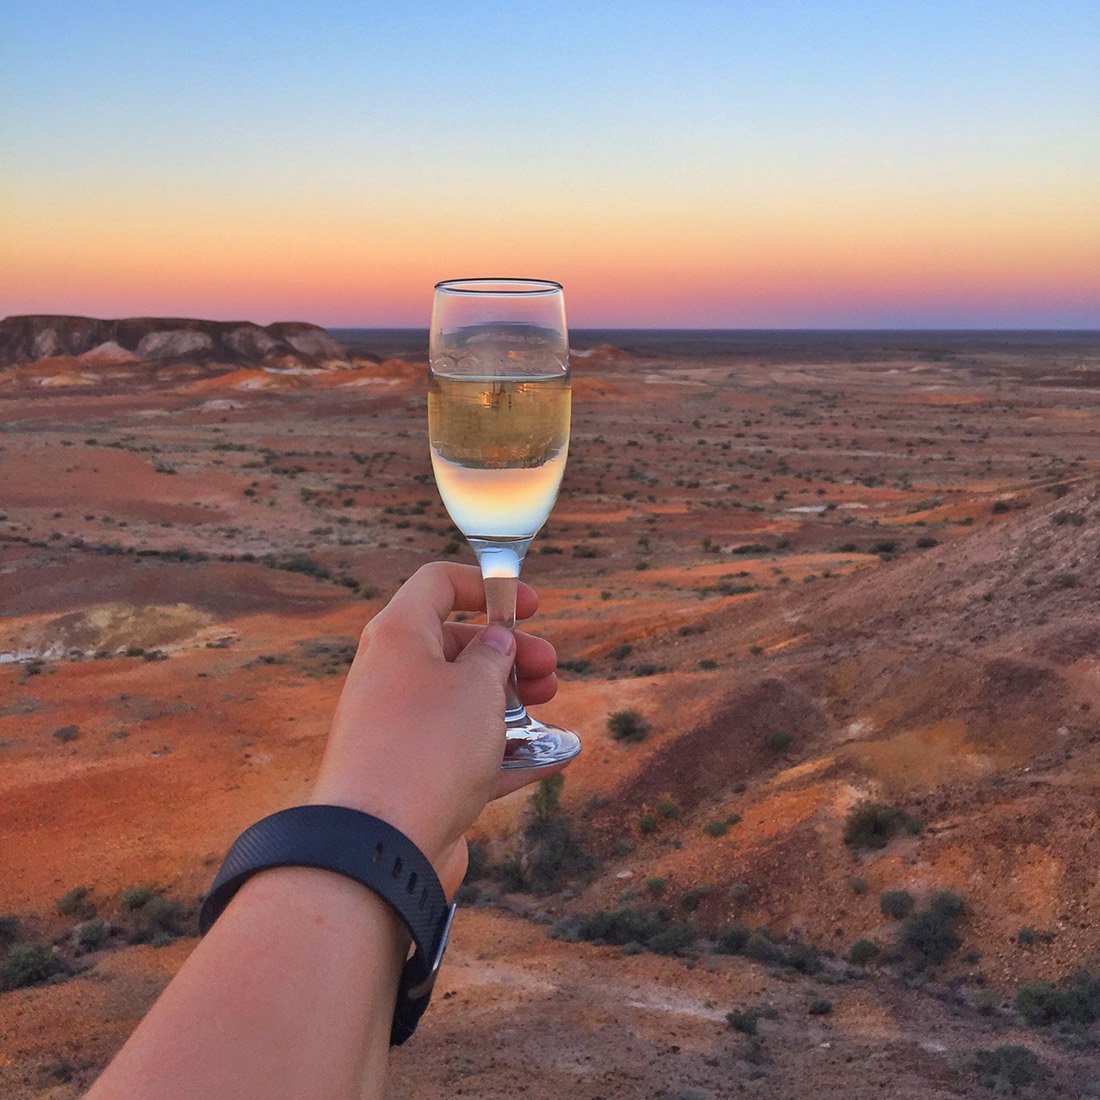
(290, 995)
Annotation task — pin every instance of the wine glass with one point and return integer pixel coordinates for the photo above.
(498, 422)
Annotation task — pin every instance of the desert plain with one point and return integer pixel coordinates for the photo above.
(819, 572)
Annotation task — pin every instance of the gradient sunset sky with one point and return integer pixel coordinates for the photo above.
(674, 164)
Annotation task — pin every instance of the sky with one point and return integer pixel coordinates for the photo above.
(683, 163)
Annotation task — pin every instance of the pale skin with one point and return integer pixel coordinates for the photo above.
(290, 995)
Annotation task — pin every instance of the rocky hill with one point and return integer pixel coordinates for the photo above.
(163, 340)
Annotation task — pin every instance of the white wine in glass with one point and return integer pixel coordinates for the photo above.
(498, 422)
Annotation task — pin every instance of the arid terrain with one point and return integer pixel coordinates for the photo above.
(826, 573)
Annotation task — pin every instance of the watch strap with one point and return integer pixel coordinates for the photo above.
(369, 851)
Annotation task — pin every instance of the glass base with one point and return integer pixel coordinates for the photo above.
(533, 744)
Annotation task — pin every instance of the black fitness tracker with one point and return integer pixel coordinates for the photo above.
(363, 848)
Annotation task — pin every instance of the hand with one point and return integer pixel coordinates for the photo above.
(418, 735)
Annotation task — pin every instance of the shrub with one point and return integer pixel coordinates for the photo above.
(779, 742)
(820, 1008)
(872, 825)
(135, 897)
(655, 887)
(9, 929)
(27, 964)
(668, 809)
(946, 903)
(1007, 1069)
(647, 824)
(1077, 1001)
(743, 1020)
(1042, 1003)
(862, 952)
(857, 885)
(1000, 507)
(760, 947)
(163, 913)
(707, 664)
(72, 901)
(546, 800)
(1067, 579)
(672, 940)
(621, 651)
(477, 861)
(926, 542)
(620, 926)
(91, 934)
(930, 936)
(552, 853)
(803, 957)
(732, 939)
(628, 725)
(64, 734)
(694, 898)
(717, 827)
(897, 903)
(303, 563)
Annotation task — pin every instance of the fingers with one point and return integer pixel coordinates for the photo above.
(535, 657)
(512, 780)
(534, 692)
(439, 588)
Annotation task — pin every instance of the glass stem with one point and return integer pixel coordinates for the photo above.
(500, 565)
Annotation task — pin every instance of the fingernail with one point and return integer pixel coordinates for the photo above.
(499, 638)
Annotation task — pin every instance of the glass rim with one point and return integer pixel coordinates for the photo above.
(506, 285)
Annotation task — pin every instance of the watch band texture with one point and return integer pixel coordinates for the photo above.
(367, 850)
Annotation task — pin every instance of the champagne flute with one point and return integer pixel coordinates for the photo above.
(498, 422)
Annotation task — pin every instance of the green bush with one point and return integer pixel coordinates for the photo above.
(716, 828)
(693, 898)
(862, 952)
(803, 957)
(620, 926)
(897, 903)
(761, 948)
(732, 939)
(820, 1008)
(1007, 1069)
(1042, 1003)
(72, 901)
(546, 800)
(163, 913)
(135, 897)
(91, 934)
(676, 937)
(27, 964)
(743, 1020)
(873, 825)
(1077, 1001)
(647, 824)
(67, 733)
(655, 887)
(9, 929)
(628, 725)
(779, 742)
(930, 936)
(303, 563)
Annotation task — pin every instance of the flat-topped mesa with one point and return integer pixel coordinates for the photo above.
(29, 338)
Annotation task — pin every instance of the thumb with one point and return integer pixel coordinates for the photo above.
(491, 653)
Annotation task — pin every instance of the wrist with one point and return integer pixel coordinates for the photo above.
(447, 855)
